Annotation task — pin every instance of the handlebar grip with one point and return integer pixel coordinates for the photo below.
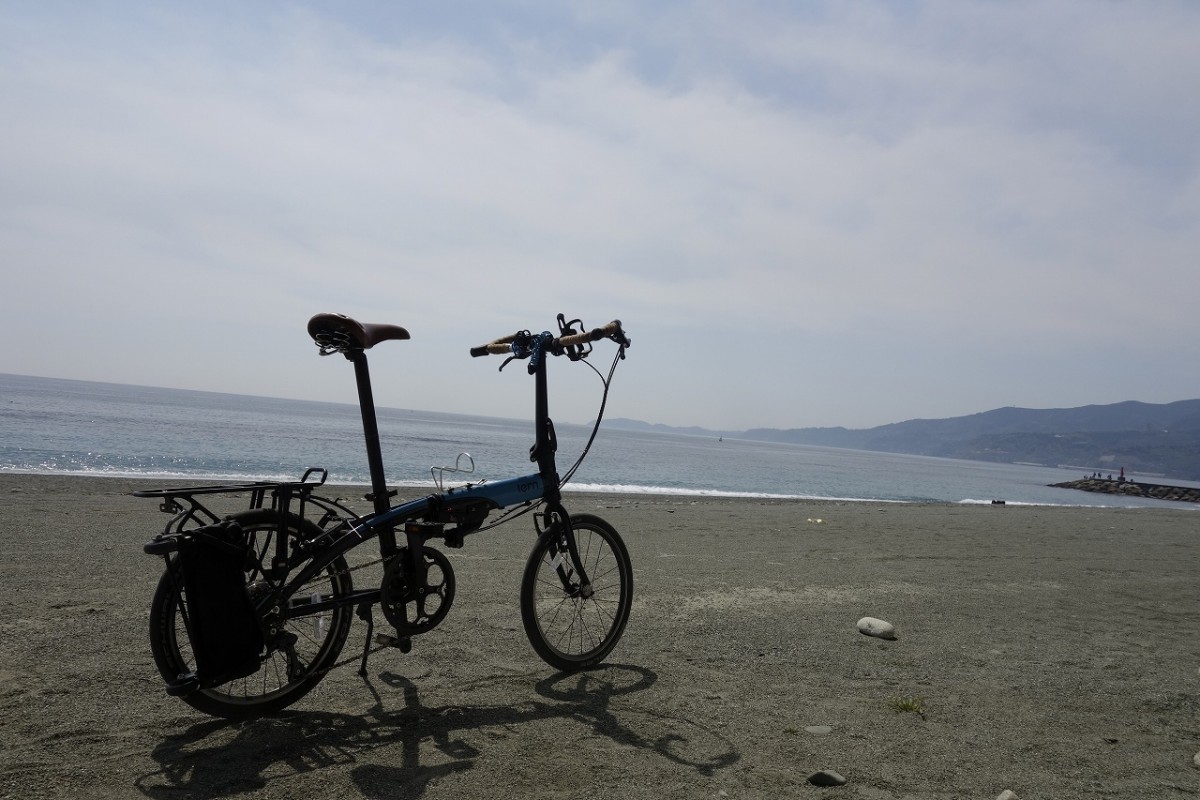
(500, 347)
(611, 330)
(497, 348)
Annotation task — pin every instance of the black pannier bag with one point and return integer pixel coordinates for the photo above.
(227, 640)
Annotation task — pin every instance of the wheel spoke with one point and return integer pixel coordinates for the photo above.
(296, 659)
(568, 630)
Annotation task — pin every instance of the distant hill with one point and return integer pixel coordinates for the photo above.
(1144, 438)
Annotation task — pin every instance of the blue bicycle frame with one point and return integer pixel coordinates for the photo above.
(463, 507)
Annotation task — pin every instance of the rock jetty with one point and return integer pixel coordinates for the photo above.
(1186, 494)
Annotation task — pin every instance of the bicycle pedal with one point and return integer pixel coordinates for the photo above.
(402, 643)
(183, 685)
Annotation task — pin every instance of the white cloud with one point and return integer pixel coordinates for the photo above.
(1010, 180)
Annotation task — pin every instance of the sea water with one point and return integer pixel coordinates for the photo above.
(53, 426)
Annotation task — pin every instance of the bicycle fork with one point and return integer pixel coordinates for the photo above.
(566, 560)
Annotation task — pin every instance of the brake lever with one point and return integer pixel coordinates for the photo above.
(522, 348)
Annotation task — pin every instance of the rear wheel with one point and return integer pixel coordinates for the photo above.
(296, 659)
(572, 626)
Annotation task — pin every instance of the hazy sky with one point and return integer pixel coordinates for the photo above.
(806, 213)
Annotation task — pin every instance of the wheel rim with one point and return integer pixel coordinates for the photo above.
(572, 626)
(312, 641)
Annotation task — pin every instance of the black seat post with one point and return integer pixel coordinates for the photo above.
(366, 404)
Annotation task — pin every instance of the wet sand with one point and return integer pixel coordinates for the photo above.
(1050, 651)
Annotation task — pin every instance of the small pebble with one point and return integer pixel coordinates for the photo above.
(869, 626)
(826, 777)
(1196, 759)
(1007, 794)
(819, 730)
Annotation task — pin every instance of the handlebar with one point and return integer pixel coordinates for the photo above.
(518, 345)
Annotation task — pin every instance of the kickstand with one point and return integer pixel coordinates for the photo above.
(364, 612)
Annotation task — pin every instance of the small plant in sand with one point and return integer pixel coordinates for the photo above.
(908, 704)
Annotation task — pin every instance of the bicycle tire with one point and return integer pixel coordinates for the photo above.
(571, 632)
(319, 638)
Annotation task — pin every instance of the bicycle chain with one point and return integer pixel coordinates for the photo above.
(328, 575)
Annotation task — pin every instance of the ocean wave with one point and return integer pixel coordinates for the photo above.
(427, 484)
(970, 501)
(147, 474)
(625, 488)
(200, 477)
(973, 502)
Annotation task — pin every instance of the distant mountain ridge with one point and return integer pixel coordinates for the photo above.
(1147, 438)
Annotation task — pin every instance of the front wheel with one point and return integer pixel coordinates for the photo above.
(573, 625)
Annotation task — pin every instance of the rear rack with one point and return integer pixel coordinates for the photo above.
(257, 488)
(187, 511)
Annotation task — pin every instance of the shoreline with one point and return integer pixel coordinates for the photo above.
(1047, 649)
(613, 491)
(571, 489)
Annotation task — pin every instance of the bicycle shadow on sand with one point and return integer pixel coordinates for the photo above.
(216, 758)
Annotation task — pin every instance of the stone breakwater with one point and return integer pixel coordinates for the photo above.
(1184, 494)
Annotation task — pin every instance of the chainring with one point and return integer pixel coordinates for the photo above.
(411, 605)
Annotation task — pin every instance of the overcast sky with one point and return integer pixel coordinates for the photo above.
(806, 213)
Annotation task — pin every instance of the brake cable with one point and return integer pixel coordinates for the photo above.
(607, 381)
(517, 511)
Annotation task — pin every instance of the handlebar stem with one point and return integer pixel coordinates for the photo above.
(545, 442)
(537, 350)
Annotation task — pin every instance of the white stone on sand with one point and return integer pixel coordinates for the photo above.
(826, 777)
(870, 626)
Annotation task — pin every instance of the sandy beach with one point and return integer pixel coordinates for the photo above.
(1047, 651)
